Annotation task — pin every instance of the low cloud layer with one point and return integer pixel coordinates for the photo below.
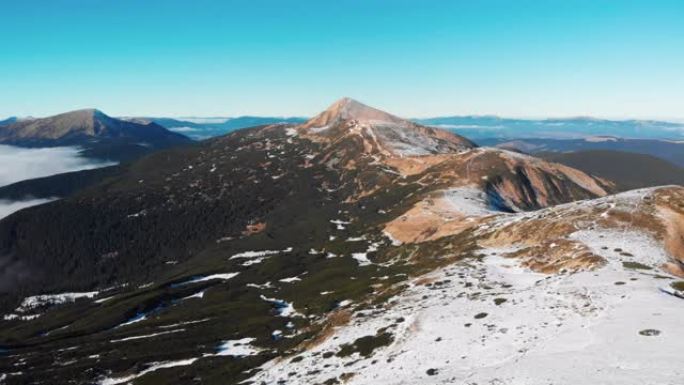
(18, 163)
(8, 207)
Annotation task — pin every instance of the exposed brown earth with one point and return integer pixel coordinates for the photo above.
(430, 219)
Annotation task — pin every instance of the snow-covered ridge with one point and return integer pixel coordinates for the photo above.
(494, 322)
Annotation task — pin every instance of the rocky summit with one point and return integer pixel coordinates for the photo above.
(358, 248)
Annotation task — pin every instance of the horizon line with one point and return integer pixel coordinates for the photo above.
(677, 120)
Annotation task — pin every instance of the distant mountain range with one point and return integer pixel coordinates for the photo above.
(473, 127)
(203, 128)
(669, 150)
(487, 127)
(100, 135)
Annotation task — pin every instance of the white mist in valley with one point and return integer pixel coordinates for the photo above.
(17, 164)
(9, 207)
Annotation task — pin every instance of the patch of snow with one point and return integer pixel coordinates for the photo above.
(254, 261)
(138, 214)
(318, 130)
(394, 241)
(21, 317)
(469, 201)
(136, 318)
(284, 308)
(362, 259)
(105, 299)
(259, 254)
(52, 299)
(356, 239)
(147, 335)
(238, 348)
(340, 223)
(184, 323)
(222, 276)
(614, 244)
(344, 303)
(196, 295)
(267, 285)
(152, 368)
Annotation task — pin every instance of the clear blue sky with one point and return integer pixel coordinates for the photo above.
(607, 58)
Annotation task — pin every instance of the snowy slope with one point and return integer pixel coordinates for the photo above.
(588, 327)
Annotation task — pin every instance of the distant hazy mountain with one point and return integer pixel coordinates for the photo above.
(669, 150)
(77, 126)
(628, 170)
(480, 127)
(472, 127)
(7, 121)
(100, 135)
(203, 128)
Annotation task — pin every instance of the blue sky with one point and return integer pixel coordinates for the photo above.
(605, 58)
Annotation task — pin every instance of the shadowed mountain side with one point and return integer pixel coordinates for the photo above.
(671, 151)
(628, 170)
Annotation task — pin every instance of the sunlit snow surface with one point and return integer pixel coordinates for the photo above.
(237, 348)
(573, 329)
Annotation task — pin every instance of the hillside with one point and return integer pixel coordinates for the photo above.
(56, 186)
(628, 170)
(336, 251)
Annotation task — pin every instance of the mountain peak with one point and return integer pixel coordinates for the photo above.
(379, 132)
(85, 113)
(79, 125)
(350, 109)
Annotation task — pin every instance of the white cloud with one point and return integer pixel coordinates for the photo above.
(8, 207)
(18, 163)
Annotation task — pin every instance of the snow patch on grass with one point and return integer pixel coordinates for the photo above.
(238, 348)
(284, 308)
(222, 276)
